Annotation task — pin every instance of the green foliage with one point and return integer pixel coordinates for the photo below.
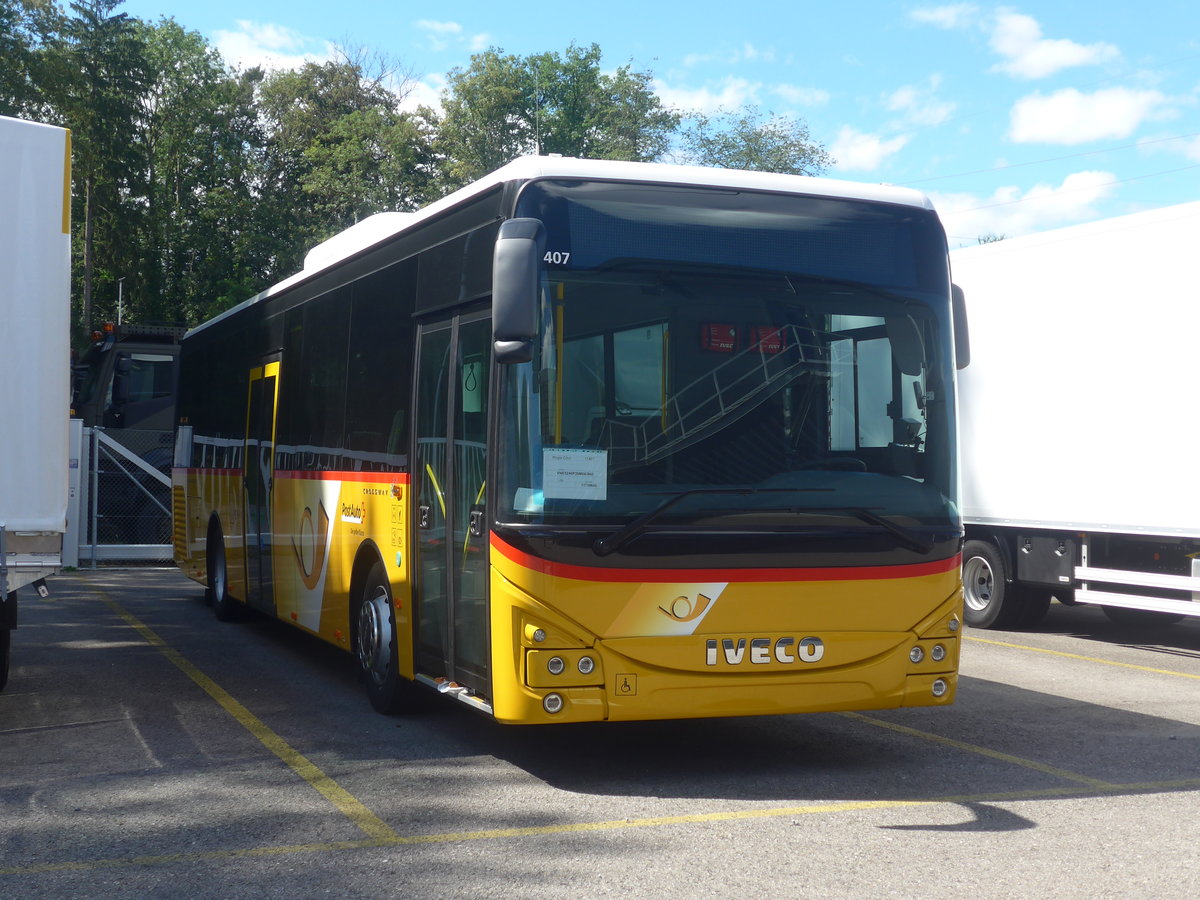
(338, 148)
(748, 140)
(503, 106)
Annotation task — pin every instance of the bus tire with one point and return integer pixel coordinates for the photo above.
(5, 653)
(989, 600)
(375, 645)
(225, 607)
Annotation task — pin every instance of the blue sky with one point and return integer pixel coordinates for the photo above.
(1013, 118)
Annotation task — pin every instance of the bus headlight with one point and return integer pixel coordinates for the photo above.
(916, 654)
(556, 665)
(587, 665)
(939, 688)
(552, 703)
(938, 653)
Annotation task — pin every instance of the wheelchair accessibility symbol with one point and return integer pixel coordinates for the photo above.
(626, 685)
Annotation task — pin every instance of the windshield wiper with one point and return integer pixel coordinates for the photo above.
(906, 536)
(619, 538)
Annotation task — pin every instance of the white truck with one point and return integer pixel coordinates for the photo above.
(1079, 422)
(35, 309)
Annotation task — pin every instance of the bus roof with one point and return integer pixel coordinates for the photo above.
(381, 227)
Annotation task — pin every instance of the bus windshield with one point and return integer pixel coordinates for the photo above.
(725, 360)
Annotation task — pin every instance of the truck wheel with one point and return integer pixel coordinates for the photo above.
(375, 645)
(5, 654)
(990, 601)
(224, 606)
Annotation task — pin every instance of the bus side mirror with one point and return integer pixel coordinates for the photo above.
(962, 338)
(515, 282)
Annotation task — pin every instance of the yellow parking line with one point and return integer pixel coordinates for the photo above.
(346, 803)
(1092, 659)
(982, 751)
(611, 825)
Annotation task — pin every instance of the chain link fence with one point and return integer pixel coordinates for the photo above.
(126, 489)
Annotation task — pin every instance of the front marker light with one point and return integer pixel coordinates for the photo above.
(939, 688)
(552, 703)
(953, 624)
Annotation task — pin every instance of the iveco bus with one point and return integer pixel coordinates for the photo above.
(597, 441)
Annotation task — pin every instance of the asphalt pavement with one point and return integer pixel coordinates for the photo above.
(147, 750)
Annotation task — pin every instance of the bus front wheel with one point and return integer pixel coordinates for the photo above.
(375, 644)
(225, 607)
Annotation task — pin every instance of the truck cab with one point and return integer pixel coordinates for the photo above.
(126, 377)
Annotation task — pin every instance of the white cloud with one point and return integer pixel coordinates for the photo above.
(801, 96)
(730, 94)
(444, 35)
(1071, 117)
(269, 46)
(955, 15)
(1018, 38)
(856, 151)
(919, 105)
(1011, 212)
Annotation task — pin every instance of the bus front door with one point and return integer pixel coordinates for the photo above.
(259, 456)
(449, 474)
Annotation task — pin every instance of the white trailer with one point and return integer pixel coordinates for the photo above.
(1079, 421)
(35, 312)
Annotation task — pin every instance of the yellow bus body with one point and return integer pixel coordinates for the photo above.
(662, 643)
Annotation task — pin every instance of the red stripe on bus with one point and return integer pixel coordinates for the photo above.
(688, 576)
(373, 477)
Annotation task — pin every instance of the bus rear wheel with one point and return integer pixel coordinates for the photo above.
(375, 645)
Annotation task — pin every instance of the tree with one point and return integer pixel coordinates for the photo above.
(202, 146)
(991, 237)
(95, 73)
(748, 140)
(503, 106)
(18, 44)
(338, 148)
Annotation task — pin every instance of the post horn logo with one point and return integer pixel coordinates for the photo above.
(311, 574)
(685, 609)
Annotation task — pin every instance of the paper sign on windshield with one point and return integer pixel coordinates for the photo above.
(575, 474)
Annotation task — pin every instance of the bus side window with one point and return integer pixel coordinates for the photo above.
(379, 368)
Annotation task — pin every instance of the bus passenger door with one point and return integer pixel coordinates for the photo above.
(259, 456)
(451, 455)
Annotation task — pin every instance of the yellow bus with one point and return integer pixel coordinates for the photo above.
(597, 441)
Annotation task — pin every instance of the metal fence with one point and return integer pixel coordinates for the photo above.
(125, 496)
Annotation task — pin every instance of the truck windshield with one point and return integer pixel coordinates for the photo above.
(731, 360)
